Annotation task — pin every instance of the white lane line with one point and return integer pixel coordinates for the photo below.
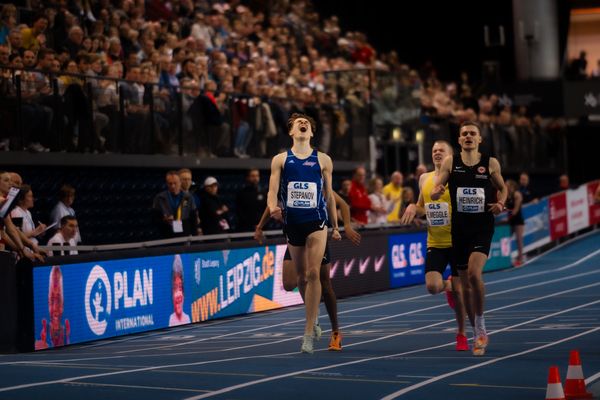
(576, 263)
(264, 327)
(236, 348)
(520, 277)
(366, 307)
(371, 321)
(360, 361)
(290, 309)
(559, 246)
(59, 360)
(481, 364)
(489, 311)
(170, 389)
(64, 380)
(592, 378)
(172, 331)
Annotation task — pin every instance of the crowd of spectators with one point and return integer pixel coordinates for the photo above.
(274, 58)
(220, 78)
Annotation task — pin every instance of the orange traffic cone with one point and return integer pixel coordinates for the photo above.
(575, 383)
(554, 390)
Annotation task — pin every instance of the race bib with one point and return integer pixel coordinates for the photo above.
(302, 195)
(437, 214)
(470, 200)
(177, 226)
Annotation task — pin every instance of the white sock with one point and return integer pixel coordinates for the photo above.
(479, 324)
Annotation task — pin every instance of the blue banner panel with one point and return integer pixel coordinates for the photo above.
(499, 256)
(81, 302)
(407, 258)
(537, 225)
(231, 282)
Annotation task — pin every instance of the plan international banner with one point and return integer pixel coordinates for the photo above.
(87, 301)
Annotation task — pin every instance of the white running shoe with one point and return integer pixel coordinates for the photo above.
(307, 344)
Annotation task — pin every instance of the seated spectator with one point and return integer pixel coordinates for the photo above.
(66, 236)
(66, 197)
(10, 236)
(380, 205)
(175, 210)
(21, 215)
(250, 202)
(213, 211)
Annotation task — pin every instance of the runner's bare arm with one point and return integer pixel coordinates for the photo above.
(347, 220)
(442, 178)
(327, 171)
(498, 181)
(258, 233)
(276, 168)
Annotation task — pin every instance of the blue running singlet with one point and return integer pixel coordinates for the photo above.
(301, 190)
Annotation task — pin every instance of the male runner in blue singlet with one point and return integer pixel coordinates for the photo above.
(301, 182)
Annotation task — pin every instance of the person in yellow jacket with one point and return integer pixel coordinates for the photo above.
(439, 243)
(393, 192)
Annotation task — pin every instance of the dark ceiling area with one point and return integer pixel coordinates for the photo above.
(449, 34)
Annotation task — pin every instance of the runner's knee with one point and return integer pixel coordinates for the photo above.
(433, 288)
(312, 275)
(474, 277)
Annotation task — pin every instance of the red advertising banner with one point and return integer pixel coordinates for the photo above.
(558, 215)
(594, 207)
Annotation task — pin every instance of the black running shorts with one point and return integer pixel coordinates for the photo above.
(297, 233)
(437, 259)
(464, 243)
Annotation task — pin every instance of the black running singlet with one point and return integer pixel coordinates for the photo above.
(471, 192)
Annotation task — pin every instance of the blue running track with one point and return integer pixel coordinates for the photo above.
(397, 344)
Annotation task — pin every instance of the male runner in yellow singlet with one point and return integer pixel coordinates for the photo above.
(439, 241)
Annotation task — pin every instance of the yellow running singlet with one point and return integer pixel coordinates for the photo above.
(438, 214)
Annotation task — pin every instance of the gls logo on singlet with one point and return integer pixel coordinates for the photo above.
(300, 185)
